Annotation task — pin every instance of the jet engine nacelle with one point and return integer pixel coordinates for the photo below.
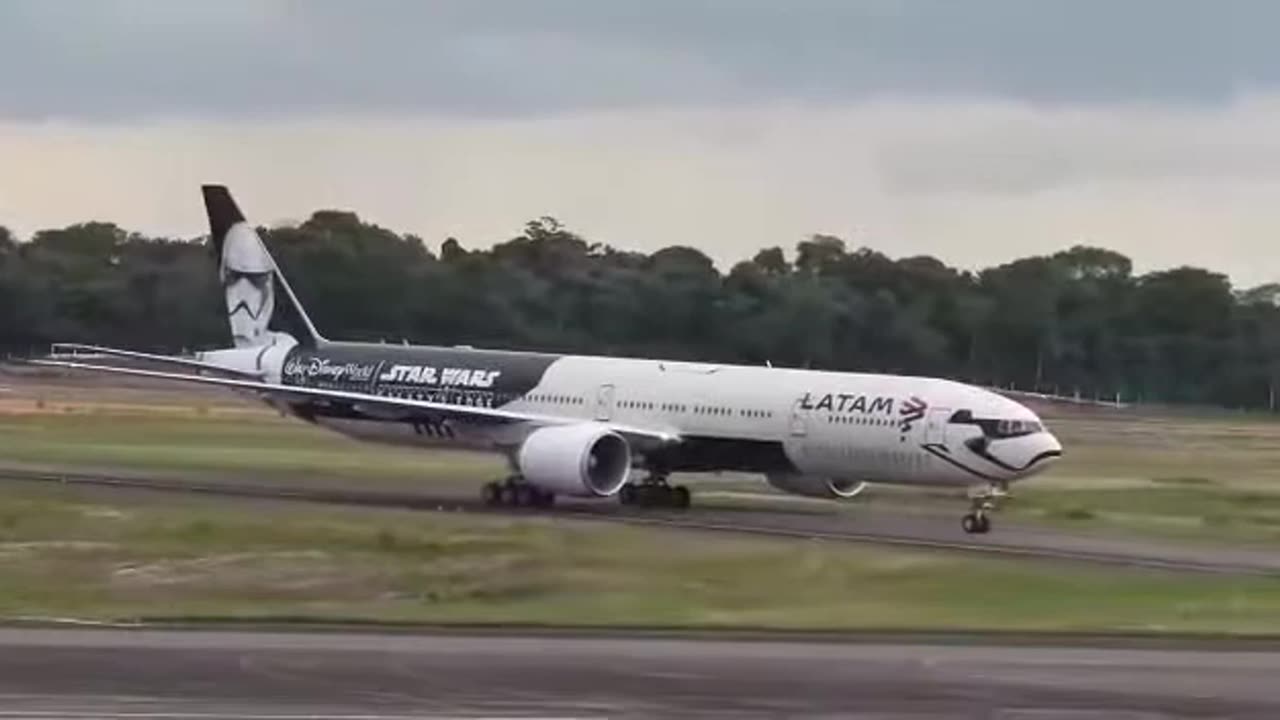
(815, 486)
(584, 460)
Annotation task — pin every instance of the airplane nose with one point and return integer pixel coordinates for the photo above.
(1050, 453)
(1043, 450)
(1055, 445)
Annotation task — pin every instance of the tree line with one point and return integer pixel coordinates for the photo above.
(1078, 321)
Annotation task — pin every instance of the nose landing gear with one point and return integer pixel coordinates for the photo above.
(977, 522)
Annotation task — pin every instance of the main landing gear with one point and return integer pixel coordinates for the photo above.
(654, 491)
(515, 492)
(977, 522)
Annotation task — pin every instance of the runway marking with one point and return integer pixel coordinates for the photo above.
(232, 715)
(115, 624)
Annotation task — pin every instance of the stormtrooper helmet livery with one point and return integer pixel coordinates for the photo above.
(248, 277)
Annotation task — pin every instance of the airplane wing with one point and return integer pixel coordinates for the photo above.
(367, 400)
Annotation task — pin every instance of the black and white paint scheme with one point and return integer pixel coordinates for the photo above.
(247, 275)
(604, 427)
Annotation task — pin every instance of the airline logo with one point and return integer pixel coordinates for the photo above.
(446, 377)
(843, 402)
(912, 410)
(324, 369)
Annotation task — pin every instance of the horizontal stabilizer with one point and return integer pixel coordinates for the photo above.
(77, 351)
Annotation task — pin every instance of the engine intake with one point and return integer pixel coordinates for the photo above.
(814, 486)
(584, 460)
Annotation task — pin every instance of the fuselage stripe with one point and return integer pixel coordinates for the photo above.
(940, 452)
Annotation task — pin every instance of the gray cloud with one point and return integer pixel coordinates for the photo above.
(1014, 149)
(130, 58)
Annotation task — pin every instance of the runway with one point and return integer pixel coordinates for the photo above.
(871, 525)
(165, 674)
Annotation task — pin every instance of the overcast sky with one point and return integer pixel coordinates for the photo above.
(977, 131)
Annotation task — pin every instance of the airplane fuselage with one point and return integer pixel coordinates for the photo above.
(780, 422)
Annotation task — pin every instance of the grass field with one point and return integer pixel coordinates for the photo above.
(85, 553)
(95, 554)
(218, 434)
(1213, 477)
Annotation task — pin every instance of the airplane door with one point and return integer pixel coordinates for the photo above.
(604, 403)
(799, 426)
(935, 426)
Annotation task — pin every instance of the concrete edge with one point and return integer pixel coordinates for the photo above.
(897, 636)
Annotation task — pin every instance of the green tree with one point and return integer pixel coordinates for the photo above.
(1076, 320)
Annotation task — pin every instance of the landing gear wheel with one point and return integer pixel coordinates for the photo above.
(515, 492)
(655, 493)
(491, 494)
(680, 496)
(525, 496)
(628, 495)
(981, 504)
(975, 524)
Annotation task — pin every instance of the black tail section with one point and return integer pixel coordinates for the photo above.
(223, 214)
(249, 276)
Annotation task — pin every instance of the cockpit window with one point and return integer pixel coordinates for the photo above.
(1014, 428)
(998, 428)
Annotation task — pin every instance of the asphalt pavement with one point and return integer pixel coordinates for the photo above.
(157, 674)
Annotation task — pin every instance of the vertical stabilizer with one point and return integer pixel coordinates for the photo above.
(249, 275)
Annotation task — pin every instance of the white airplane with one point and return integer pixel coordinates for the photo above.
(579, 426)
